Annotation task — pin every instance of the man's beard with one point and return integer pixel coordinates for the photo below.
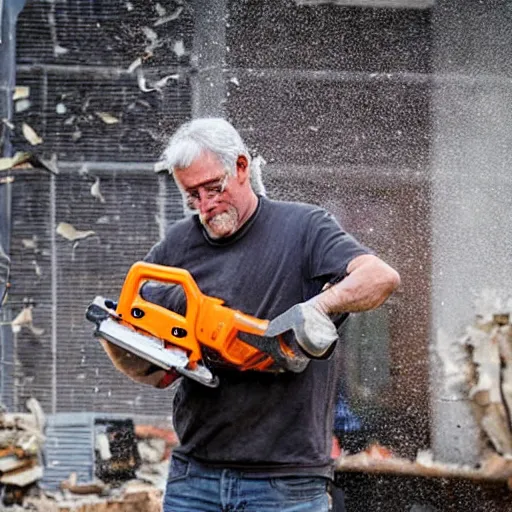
(223, 224)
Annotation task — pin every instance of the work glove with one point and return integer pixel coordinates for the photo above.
(314, 330)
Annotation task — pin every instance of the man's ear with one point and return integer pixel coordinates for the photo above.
(242, 168)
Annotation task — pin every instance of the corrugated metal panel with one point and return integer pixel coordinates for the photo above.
(69, 448)
(126, 226)
(74, 57)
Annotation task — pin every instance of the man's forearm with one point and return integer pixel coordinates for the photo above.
(135, 367)
(370, 281)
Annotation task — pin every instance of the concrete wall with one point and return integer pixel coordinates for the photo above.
(471, 191)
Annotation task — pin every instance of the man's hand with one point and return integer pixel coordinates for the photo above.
(136, 368)
(313, 329)
(315, 333)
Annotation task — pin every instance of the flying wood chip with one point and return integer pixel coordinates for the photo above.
(21, 92)
(96, 192)
(69, 232)
(24, 318)
(107, 118)
(30, 134)
(10, 162)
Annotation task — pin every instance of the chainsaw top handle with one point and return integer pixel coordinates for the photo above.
(156, 319)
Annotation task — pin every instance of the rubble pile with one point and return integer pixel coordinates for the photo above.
(489, 342)
(486, 376)
(132, 497)
(133, 459)
(21, 441)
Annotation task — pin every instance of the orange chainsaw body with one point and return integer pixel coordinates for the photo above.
(207, 321)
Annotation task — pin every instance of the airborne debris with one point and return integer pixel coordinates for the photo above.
(69, 232)
(156, 86)
(21, 92)
(30, 134)
(24, 319)
(49, 164)
(163, 81)
(10, 162)
(160, 10)
(37, 268)
(179, 48)
(175, 15)
(107, 118)
(95, 191)
(134, 65)
(59, 50)
(22, 105)
(8, 123)
(30, 243)
(76, 135)
(60, 108)
(153, 40)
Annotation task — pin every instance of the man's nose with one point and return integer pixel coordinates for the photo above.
(206, 203)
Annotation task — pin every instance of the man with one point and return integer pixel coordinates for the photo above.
(260, 441)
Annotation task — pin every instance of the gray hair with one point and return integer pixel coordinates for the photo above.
(217, 136)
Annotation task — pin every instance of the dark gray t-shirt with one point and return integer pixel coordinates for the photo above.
(261, 423)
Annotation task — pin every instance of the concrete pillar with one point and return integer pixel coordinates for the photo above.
(209, 58)
(9, 10)
(471, 197)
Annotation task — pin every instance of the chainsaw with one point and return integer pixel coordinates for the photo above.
(208, 331)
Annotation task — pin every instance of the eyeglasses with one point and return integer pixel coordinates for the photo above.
(210, 190)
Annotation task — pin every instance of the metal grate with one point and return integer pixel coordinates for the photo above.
(31, 280)
(68, 111)
(87, 107)
(104, 32)
(48, 269)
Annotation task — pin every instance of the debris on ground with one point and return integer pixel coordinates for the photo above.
(494, 468)
(21, 442)
(489, 344)
(133, 497)
(131, 462)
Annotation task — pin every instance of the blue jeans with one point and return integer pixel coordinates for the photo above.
(192, 487)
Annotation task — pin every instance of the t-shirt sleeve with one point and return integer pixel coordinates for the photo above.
(329, 249)
(155, 254)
